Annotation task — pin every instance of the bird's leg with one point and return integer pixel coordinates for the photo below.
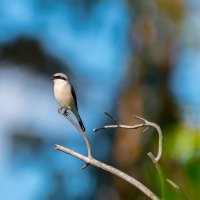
(60, 110)
(65, 112)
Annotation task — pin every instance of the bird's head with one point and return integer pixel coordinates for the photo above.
(59, 77)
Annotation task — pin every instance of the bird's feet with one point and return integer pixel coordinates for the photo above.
(65, 112)
(60, 110)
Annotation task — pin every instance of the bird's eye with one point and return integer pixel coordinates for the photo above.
(60, 77)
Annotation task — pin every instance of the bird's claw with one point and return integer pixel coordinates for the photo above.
(65, 113)
(60, 111)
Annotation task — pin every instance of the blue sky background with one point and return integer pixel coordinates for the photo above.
(94, 44)
(95, 47)
(185, 78)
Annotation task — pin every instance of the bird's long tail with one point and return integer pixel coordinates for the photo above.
(79, 120)
(81, 124)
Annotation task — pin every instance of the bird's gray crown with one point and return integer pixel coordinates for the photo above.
(60, 76)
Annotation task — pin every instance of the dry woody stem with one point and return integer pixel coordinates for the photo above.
(146, 124)
(89, 160)
(110, 169)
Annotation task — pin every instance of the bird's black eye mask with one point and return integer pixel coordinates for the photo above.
(59, 77)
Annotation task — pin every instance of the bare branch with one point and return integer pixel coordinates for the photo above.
(89, 160)
(65, 114)
(177, 188)
(160, 137)
(174, 185)
(145, 124)
(156, 159)
(96, 163)
(119, 126)
(161, 179)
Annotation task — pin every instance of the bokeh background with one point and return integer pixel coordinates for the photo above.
(127, 57)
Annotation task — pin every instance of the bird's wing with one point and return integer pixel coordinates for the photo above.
(74, 96)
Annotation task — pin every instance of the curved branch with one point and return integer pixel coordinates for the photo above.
(147, 124)
(89, 160)
(160, 137)
(65, 114)
(110, 169)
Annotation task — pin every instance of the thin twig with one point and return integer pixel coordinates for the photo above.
(89, 160)
(110, 169)
(146, 124)
(174, 185)
(80, 131)
(177, 188)
(119, 126)
(161, 179)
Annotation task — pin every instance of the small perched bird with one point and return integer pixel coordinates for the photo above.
(66, 96)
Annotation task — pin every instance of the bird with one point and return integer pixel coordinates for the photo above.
(66, 96)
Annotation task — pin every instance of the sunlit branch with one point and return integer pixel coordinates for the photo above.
(89, 160)
(177, 188)
(174, 185)
(145, 124)
(110, 169)
(65, 114)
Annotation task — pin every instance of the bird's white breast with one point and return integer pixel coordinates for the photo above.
(62, 91)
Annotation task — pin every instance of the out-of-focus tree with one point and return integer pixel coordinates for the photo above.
(155, 36)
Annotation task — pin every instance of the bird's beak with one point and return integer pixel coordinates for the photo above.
(51, 78)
